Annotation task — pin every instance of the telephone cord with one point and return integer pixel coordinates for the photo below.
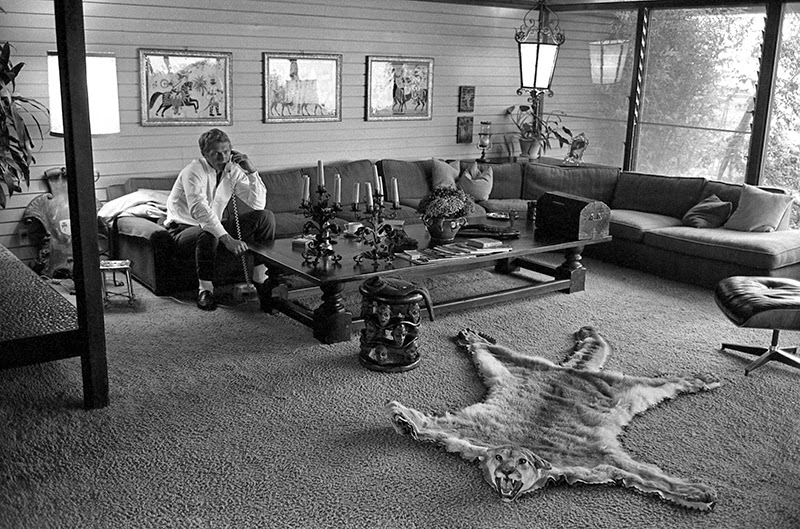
(239, 236)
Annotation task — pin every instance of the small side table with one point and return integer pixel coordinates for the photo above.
(123, 266)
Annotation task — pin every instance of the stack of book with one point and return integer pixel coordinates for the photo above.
(468, 249)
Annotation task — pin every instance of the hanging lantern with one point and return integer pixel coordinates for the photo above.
(539, 39)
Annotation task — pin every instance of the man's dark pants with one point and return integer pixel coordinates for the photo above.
(257, 226)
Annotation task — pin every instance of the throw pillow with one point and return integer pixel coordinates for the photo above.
(758, 210)
(709, 213)
(444, 174)
(477, 183)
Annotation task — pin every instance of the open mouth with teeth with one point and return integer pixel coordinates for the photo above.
(508, 488)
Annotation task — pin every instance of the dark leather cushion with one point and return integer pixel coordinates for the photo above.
(760, 302)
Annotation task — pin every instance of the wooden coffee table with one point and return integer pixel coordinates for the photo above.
(331, 322)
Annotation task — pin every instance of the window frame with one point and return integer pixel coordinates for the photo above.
(766, 76)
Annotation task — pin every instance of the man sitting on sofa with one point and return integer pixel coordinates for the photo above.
(198, 216)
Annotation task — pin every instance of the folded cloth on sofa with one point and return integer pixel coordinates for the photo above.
(147, 203)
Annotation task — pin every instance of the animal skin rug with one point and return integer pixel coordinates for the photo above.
(543, 423)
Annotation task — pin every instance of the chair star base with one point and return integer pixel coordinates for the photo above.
(763, 303)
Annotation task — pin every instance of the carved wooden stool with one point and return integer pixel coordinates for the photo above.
(762, 303)
(123, 266)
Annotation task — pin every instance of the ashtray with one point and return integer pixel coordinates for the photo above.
(500, 215)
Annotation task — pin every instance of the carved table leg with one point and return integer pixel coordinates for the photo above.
(331, 320)
(274, 289)
(573, 270)
(506, 266)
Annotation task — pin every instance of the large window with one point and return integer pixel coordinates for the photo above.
(598, 42)
(695, 97)
(781, 166)
(699, 83)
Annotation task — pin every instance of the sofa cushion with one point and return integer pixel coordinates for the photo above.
(405, 212)
(413, 178)
(597, 183)
(288, 224)
(723, 190)
(665, 195)
(505, 204)
(477, 181)
(506, 180)
(710, 212)
(752, 249)
(284, 190)
(759, 210)
(444, 174)
(351, 173)
(632, 225)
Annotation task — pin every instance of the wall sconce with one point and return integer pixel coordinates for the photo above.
(485, 139)
(101, 83)
(539, 39)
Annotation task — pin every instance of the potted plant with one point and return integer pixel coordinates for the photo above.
(536, 132)
(16, 144)
(443, 212)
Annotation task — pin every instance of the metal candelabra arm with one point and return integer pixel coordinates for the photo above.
(321, 225)
(375, 232)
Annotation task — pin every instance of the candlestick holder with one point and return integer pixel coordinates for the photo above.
(321, 225)
(381, 237)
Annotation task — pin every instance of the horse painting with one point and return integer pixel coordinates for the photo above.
(175, 98)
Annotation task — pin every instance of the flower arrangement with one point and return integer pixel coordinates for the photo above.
(446, 202)
(534, 127)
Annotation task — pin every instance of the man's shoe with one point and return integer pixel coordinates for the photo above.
(205, 300)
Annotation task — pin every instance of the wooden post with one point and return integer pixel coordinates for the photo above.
(71, 45)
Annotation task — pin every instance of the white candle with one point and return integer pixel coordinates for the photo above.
(356, 193)
(378, 186)
(369, 195)
(320, 173)
(306, 186)
(395, 192)
(337, 189)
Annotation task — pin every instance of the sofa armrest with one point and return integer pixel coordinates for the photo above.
(150, 248)
(137, 227)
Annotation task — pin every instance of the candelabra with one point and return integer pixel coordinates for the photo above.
(379, 235)
(321, 225)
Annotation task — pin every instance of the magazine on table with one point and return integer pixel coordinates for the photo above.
(456, 250)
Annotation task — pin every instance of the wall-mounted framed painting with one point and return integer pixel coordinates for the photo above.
(180, 87)
(399, 88)
(464, 129)
(466, 98)
(302, 87)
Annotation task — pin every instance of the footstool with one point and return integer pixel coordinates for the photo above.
(123, 266)
(762, 303)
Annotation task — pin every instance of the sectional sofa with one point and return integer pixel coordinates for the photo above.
(648, 213)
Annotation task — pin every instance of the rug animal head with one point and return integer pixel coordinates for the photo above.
(512, 470)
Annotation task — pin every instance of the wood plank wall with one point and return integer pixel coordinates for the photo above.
(471, 45)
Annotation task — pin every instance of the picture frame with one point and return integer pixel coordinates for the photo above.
(466, 98)
(181, 87)
(464, 128)
(301, 87)
(399, 88)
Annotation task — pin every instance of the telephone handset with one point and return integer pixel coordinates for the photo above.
(230, 164)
